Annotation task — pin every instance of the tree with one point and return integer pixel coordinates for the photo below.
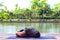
(56, 10)
(16, 12)
(27, 13)
(41, 7)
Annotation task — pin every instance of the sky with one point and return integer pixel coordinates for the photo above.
(24, 3)
(52, 2)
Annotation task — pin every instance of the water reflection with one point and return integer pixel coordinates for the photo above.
(11, 28)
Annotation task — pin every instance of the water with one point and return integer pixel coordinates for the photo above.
(11, 28)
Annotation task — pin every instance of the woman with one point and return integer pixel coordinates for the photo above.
(28, 32)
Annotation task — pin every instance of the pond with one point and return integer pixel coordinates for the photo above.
(11, 28)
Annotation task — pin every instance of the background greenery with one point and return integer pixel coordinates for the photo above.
(38, 10)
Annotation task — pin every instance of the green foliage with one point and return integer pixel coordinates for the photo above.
(39, 9)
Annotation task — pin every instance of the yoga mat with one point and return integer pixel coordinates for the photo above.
(41, 37)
